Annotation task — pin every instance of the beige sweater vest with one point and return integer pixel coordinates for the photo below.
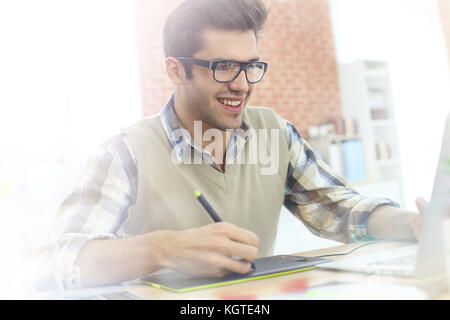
(241, 195)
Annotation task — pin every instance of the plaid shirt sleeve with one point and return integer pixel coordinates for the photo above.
(97, 207)
(328, 205)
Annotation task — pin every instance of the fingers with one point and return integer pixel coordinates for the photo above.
(209, 250)
(225, 265)
(211, 264)
(206, 263)
(421, 204)
(227, 241)
(235, 241)
(230, 248)
(238, 234)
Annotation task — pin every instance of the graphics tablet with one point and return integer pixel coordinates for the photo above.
(264, 268)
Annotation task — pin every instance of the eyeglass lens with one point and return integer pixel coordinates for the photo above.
(226, 71)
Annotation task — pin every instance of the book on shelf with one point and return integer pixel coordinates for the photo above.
(379, 114)
(339, 127)
(383, 150)
(346, 127)
(335, 158)
(353, 160)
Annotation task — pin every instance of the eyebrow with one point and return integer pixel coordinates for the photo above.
(251, 60)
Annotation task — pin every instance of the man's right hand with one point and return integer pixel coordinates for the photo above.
(207, 251)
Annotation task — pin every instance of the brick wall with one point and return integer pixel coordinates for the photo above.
(444, 8)
(301, 83)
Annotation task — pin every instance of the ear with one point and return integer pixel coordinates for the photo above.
(175, 70)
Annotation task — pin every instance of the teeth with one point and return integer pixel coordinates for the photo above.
(230, 102)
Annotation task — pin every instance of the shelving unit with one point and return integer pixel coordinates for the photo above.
(366, 96)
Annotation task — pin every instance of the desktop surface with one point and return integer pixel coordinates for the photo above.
(310, 284)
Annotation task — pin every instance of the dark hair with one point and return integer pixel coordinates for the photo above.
(182, 33)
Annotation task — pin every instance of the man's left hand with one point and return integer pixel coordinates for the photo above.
(421, 204)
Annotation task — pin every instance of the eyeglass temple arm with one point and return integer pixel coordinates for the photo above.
(199, 62)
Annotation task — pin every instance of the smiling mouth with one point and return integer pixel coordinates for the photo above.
(230, 102)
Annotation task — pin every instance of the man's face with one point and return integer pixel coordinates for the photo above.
(205, 97)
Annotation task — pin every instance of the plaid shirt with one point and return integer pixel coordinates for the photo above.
(106, 193)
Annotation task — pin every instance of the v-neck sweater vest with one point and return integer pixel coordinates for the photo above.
(242, 195)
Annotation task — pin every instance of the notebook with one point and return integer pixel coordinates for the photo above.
(264, 268)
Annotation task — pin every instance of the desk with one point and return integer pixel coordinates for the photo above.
(271, 287)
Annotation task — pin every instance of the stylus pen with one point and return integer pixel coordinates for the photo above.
(212, 213)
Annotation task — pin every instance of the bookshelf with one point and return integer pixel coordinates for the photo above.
(343, 153)
(366, 96)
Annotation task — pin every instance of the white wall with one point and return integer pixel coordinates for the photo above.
(408, 34)
(68, 80)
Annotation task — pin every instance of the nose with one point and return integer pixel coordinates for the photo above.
(239, 84)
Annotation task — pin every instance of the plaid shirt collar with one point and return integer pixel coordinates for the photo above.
(180, 138)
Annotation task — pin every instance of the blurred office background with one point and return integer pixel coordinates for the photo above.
(364, 80)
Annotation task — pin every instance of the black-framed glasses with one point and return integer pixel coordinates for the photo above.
(225, 71)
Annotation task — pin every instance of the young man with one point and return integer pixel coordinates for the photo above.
(135, 210)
